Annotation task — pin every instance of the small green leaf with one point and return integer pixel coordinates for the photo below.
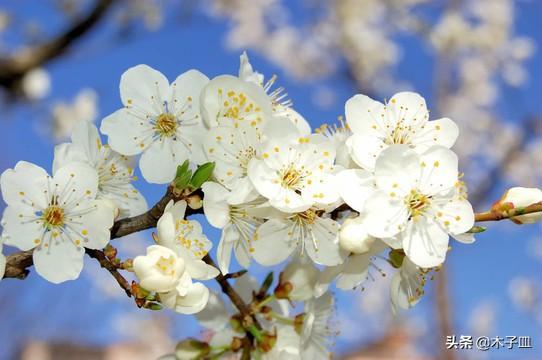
(182, 181)
(202, 174)
(477, 229)
(153, 306)
(183, 175)
(181, 169)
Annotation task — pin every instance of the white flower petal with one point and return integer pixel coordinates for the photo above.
(76, 181)
(127, 132)
(355, 186)
(409, 108)
(465, 238)
(242, 254)
(141, 87)
(67, 153)
(94, 226)
(223, 252)
(158, 164)
(439, 170)
(425, 242)
(354, 272)
(215, 315)
(19, 232)
(323, 246)
(397, 170)
(456, 216)
(218, 98)
(441, 132)
(363, 115)
(165, 229)
(193, 302)
(185, 92)
(24, 185)
(384, 216)
(365, 149)
(273, 242)
(215, 206)
(60, 261)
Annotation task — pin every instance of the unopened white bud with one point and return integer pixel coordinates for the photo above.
(518, 197)
(353, 237)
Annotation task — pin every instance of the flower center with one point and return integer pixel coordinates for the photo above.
(166, 125)
(400, 134)
(307, 217)
(290, 178)
(53, 216)
(166, 265)
(417, 203)
(244, 156)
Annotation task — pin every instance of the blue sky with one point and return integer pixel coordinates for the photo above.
(478, 272)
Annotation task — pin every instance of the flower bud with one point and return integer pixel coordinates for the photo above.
(354, 238)
(159, 270)
(297, 281)
(520, 197)
(236, 344)
(191, 349)
(268, 342)
(194, 201)
(298, 323)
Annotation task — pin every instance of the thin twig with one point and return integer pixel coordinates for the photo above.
(498, 215)
(113, 270)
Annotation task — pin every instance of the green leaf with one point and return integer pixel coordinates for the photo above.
(202, 174)
(181, 169)
(183, 175)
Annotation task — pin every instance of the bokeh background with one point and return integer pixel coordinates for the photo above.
(476, 61)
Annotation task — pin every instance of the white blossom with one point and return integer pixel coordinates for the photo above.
(353, 271)
(115, 171)
(186, 239)
(315, 331)
(407, 285)
(403, 120)
(191, 300)
(56, 216)
(84, 108)
(301, 276)
(160, 270)
(295, 177)
(36, 84)
(353, 236)
(301, 233)
(279, 98)
(238, 217)
(159, 120)
(229, 101)
(415, 203)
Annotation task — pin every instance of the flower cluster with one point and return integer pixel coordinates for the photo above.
(383, 184)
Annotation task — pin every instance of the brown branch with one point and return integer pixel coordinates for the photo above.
(17, 264)
(14, 67)
(113, 270)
